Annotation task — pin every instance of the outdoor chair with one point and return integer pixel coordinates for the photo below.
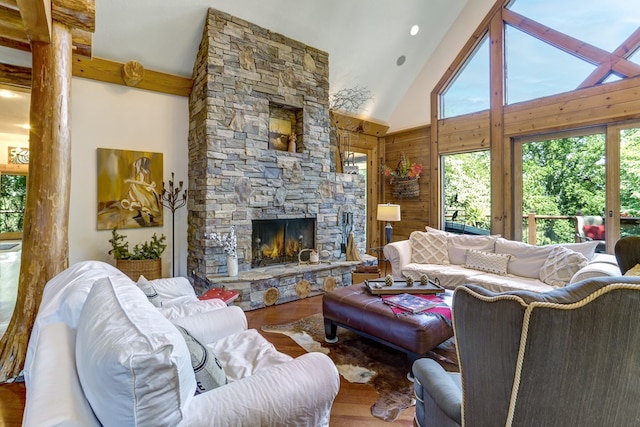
(567, 357)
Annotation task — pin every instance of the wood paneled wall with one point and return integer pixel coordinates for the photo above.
(414, 212)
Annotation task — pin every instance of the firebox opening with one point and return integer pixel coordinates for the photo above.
(278, 241)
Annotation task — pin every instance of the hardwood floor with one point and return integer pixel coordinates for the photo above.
(350, 408)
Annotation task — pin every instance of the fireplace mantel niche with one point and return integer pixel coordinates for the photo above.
(244, 75)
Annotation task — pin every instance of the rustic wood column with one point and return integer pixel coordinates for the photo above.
(45, 246)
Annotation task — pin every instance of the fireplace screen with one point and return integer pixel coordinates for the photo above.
(278, 241)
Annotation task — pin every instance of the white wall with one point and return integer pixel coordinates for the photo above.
(110, 116)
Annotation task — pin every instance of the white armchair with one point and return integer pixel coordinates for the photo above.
(102, 354)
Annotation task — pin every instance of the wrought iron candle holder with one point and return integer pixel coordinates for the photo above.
(172, 200)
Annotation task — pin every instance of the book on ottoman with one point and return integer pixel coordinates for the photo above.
(411, 303)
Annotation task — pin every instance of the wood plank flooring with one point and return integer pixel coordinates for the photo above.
(351, 407)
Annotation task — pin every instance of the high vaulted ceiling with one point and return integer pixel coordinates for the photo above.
(365, 40)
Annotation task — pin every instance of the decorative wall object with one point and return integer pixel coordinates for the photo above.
(404, 178)
(129, 189)
(18, 156)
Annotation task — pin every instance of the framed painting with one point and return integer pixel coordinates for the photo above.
(129, 189)
(279, 134)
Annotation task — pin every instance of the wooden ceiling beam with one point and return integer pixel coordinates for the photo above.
(76, 14)
(15, 76)
(11, 25)
(36, 17)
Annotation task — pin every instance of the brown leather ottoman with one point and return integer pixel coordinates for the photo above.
(354, 308)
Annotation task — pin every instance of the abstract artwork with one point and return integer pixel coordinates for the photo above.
(129, 189)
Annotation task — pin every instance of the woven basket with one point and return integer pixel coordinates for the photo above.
(134, 268)
(406, 188)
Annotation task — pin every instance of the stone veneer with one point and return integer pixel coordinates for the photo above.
(244, 74)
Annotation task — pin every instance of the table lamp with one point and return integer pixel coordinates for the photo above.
(388, 212)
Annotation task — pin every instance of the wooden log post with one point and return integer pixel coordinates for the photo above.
(45, 246)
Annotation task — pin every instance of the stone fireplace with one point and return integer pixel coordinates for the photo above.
(259, 150)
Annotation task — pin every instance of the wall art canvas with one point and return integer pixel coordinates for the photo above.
(19, 155)
(129, 189)
(279, 134)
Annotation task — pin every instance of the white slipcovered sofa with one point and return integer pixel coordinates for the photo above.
(495, 263)
(101, 353)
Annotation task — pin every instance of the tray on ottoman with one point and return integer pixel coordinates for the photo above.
(378, 287)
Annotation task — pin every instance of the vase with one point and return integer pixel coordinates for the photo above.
(232, 265)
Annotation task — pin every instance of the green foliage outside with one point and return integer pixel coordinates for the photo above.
(561, 177)
(13, 197)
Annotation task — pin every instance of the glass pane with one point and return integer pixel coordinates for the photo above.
(604, 24)
(630, 182)
(536, 69)
(13, 196)
(563, 183)
(469, 92)
(467, 192)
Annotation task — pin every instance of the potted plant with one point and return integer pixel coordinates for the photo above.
(143, 260)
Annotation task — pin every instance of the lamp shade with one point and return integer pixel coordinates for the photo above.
(388, 212)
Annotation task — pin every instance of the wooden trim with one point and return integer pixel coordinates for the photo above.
(500, 191)
(628, 47)
(12, 26)
(362, 125)
(110, 72)
(17, 169)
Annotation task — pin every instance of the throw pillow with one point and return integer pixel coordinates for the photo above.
(458, 244)
(488, 262)
(149, 291)
(133, 364)
(206, 366)
(633, 271)
(428, 248)
(561, 265)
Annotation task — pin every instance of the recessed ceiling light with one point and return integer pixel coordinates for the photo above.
(7, 94)
(414, 30)
(401, 60)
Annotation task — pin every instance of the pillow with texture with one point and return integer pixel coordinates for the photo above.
(526, 260)
(561, 265)
(633, 271)
(149, 291)
(488, 262)
(206, 366)
(434, 230)
(458, 244)
(428, 248)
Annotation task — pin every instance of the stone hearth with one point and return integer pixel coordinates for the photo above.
(247, 78)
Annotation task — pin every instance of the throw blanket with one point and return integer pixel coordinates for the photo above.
(440, 309)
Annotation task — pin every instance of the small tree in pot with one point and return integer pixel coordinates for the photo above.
(144, 260)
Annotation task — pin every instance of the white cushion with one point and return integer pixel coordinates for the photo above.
(588, 249)
(190, 308)
(487, 261)
(434, 230)
(561, 265)
(458, 244)
(133, 364)
(633, 271)
(526, 260)
(173, 287)
(428, 248)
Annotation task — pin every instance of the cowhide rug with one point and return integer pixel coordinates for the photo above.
(360, 360)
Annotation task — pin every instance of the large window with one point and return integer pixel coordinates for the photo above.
(630, 182)
(13, 197)
(467, 192)
(562, 188)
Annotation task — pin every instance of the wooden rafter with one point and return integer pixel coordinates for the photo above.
(36, 17)
(14, 75)
(571, 45)
(625, 50)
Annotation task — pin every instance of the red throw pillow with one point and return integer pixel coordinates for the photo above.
(595, 232)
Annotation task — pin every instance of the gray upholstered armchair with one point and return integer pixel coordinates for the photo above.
(569, 357)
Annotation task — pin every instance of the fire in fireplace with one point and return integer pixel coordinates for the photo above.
(278, 241)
